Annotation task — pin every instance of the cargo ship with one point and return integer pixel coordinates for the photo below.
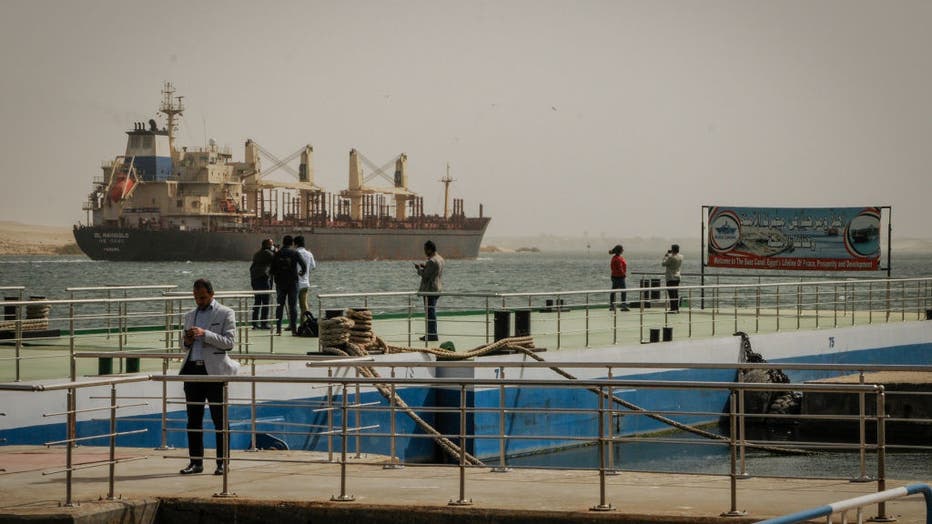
(158, 202)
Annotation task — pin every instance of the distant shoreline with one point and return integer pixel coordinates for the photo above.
(26, 239)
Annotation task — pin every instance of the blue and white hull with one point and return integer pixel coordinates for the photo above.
(302, 420)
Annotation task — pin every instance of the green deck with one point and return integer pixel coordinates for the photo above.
(44, 359)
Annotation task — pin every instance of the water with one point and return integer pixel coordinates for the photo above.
(702, 456)
(513, 272)
(500, 272)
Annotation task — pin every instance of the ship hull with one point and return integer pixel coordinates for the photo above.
(106, 243)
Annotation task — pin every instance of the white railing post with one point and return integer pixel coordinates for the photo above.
(733, 448)
(602, 505)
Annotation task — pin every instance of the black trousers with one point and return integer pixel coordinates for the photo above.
(195, 394)
(430, 309)
(260, 308)
(618, 283)
(674, 294)
(287, 294)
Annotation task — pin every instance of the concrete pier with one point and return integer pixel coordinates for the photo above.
(148, 489)
(907, 406)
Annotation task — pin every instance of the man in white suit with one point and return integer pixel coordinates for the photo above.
(209, 333)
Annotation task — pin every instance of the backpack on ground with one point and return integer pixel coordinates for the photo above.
(308, 327)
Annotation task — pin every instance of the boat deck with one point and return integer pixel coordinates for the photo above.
(576, 328)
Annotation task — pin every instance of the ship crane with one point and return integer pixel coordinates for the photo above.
(309, 201)
(304, 174)
(358, 188)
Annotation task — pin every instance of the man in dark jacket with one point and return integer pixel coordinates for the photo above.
(285, 272)
(261, 280)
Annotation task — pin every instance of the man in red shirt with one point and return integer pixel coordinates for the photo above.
(619, 272)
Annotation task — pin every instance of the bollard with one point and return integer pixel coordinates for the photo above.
(655, 293)
(104, 366)
(552, 305)
(645, 293)
(333, 313)
(9, 312)
(523, 323)
(502, 320)
(667, 334)
(654, 335)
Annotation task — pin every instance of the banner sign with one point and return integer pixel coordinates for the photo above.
(805, 239)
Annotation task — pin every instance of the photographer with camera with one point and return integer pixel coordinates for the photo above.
(672, 262)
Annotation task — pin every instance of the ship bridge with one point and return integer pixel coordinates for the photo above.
(149, 150)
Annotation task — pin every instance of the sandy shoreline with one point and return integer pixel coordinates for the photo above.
(26, 239)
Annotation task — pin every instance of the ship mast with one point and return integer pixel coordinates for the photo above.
(446, 192)
(171, 106)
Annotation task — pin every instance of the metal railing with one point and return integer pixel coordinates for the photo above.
(343, 401)
(121, 324)
(556, 319)
(857, 504)
(72, 439)
(584, 317)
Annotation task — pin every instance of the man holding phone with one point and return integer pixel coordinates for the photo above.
(430, 272)
(209, 333)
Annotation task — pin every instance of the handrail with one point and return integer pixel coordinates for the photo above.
(178, 295)
(75, 384)
(858, 503)
(734, 307)
(562, 383)
(710, 286)
(325, 360)
(313, 359)
(248, 293)
(117, 287)
(123, 300)
(345, 431)
(745, 274)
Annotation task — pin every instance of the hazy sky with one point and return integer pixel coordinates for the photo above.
(579, 117)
